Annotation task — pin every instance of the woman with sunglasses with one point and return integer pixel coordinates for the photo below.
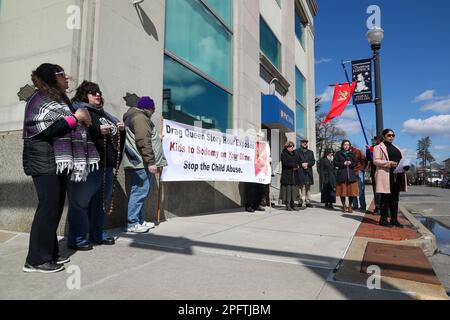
(90, 200)
(289, 177)
(386, 157)
(51, 156)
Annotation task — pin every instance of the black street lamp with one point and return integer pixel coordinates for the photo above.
(375, 36)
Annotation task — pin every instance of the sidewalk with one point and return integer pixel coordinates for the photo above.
(235, 255)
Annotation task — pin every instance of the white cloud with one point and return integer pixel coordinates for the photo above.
(435, 125)
(327, 95)
(442, 147)
(442, 106)
(349, 121)
(408, 153)
(425, 96)
(323, 60)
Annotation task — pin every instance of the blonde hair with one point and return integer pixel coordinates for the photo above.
(289, 143)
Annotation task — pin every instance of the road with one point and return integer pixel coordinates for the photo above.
(432, 206)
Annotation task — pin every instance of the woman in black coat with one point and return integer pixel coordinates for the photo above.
(347, 182)
(289, 178)
(327, 171)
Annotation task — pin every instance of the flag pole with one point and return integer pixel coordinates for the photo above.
(356, 106)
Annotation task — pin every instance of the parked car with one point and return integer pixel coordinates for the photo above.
(445, 183)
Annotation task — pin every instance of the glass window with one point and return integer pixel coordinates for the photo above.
(269, 43)
(300, 121)
(279, 3)
(300, 29)
(300, 97)
(193, 34)
(224, 8)
(187, 98)
(300, 87)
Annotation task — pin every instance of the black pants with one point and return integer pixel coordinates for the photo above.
(51, 192)
(254, 192)
(389, 201)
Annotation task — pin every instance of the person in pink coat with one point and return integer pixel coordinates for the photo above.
(387, 156)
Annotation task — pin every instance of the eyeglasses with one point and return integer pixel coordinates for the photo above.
(290, 146)
(61, 73)
(391, 135)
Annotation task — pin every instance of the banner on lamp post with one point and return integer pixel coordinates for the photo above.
(362, 75)
(197, 154)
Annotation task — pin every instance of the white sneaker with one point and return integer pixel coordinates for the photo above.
(138, 229)
(149, 225)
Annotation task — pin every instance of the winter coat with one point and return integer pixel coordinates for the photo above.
(289, 162)
(143, 145)
(345, 173)
(327, 173)
(361, 161)
(38, 157)
(382, 174)
(305, 176)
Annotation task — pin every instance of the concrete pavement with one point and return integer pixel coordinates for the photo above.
(235, 255)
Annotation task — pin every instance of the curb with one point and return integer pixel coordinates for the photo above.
(427, 240)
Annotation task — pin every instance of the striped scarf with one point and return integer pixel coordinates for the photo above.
(74, 152)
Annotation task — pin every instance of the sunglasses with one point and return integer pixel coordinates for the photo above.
(94, 93)
(290, 146)
(61, 73)
(390, 135)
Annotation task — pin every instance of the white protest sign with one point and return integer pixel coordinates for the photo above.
(197, 154)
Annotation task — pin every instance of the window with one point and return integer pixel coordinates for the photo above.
(300, 97)
(196, 36)
(269, 44)
(187, 97)
(224, 9)
(300, 29)
(279, 3)
(198, 63)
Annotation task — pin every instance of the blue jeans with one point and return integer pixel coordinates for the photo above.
(96, 213)
(362, 192)
(140, 181)
(85, 215)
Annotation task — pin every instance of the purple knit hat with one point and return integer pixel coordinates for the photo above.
(146, 102)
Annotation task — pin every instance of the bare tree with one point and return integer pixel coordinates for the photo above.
(328, 134)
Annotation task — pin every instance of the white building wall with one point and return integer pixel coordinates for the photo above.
(31, 33)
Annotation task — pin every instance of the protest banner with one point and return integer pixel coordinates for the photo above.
(197, 154)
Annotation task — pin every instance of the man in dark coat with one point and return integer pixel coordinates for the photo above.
(305, 173)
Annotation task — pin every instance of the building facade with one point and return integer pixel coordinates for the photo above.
(246, 65)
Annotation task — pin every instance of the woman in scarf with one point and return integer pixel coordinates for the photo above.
(51, 132)
(90, 200)
(328, 179)
(347, 183)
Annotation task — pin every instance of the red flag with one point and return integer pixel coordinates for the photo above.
(342, 94)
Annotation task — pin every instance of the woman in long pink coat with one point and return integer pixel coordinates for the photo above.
(389, 184)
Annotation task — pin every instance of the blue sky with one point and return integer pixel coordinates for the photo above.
(415, 67)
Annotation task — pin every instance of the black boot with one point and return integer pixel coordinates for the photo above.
(288, 207)
(394, 215)
(384, 215)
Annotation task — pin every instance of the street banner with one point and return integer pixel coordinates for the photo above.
(197, 154)
(362, 75)
(341, 97)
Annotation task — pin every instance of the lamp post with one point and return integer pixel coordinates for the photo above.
(375, 36)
